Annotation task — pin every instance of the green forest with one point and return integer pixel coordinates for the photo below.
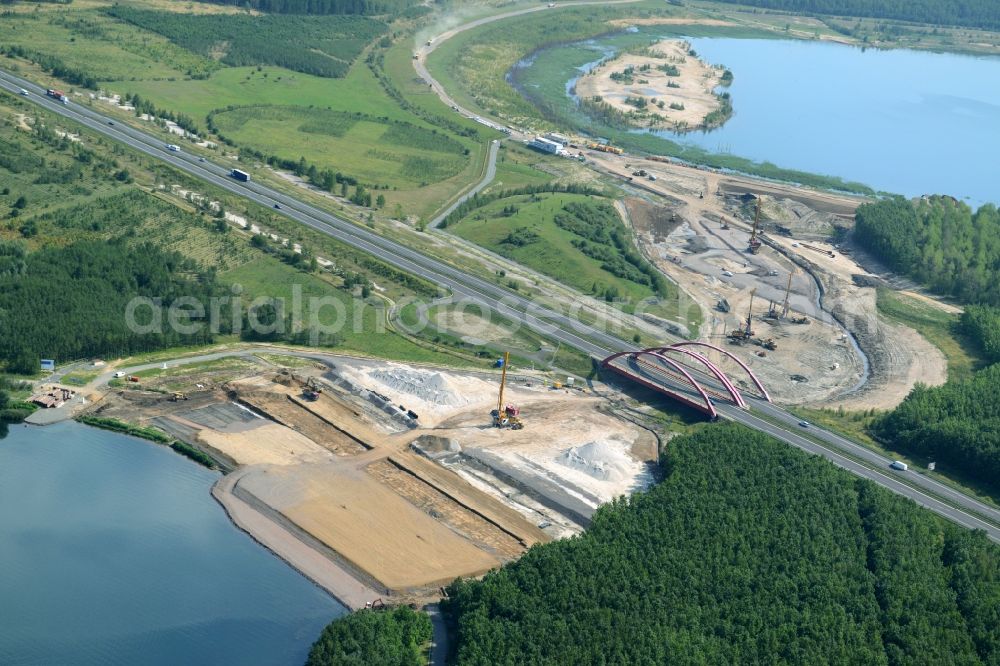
(749, 551)
(966, 13)
(389, 638)
(956, 425)
(317, 45)
(938, 241)
(69, 302)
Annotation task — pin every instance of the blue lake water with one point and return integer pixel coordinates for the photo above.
(909, 122)
(113, 552)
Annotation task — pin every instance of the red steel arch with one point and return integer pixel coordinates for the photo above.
(708, 406)
(732, 356)
(713, 368)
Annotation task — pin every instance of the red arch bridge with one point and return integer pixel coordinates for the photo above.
(686, 375)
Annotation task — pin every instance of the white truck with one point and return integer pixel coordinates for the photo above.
(899, 466)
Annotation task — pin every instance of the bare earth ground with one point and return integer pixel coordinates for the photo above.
(678, 221)
(333, 487)
(697, 81)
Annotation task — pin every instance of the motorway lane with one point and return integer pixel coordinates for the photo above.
(490, 297)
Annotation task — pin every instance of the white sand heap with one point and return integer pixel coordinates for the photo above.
(605, 460)
(431, 387)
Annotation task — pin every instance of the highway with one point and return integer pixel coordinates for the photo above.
(958, 507)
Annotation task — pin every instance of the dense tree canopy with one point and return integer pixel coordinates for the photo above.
(748, 552)
(938, 241)
(70, 302)
(967, 13)
(957, 425)
(319, 45)
(388, 638)
(981, 323)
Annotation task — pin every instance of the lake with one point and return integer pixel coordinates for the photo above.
(908, 122)
(112, 552)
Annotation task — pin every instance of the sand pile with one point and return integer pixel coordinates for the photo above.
(605, 460)
(429, 386)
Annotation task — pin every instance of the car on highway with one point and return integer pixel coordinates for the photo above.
(727, 273)
(173, 148)
(278, 206)
(804, 424)
(201, 159)
(23, 92)
(111, 122)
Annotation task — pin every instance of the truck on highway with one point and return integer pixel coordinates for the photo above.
(57, 95)
(240, 175)
(174, 148)
(899, 465)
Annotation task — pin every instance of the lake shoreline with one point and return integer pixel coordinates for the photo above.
(336, 580)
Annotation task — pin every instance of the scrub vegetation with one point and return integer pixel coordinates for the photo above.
(712, 565)
(577, 239)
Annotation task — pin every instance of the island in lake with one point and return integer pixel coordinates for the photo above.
(664, 85)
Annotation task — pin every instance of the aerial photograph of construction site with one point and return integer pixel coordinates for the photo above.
(401, 333)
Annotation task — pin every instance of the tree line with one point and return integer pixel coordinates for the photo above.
(749, 551)
(938, 241)
(318, 45)
(966, 13)
(322, 7)
(387, 637)
(69, 302)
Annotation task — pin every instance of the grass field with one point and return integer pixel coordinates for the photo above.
(393, 154)
(549, 249)
(935, 325)
(361, 323)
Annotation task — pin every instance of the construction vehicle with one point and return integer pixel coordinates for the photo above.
(177, 395)
(769, 344)
(743, 334)
(725, 224)
(605, 148)
(312, 391)
(800, 320)
(506, 416)
(754, 245)
(132, 378)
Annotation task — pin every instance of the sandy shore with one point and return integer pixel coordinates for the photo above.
(637, 85)
(329, 575)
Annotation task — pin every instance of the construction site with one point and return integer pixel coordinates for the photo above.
(387, 481)
(758, 260)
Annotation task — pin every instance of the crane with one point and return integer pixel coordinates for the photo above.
(506, 416)
(755, 243)
(788, 291)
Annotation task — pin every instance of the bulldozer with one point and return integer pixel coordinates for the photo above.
(506, 416)
(769, 344)
(177, 395)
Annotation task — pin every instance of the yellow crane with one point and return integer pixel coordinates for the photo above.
(506, 416)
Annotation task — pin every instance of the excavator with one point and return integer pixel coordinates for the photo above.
(312, 390)
(506, 416)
